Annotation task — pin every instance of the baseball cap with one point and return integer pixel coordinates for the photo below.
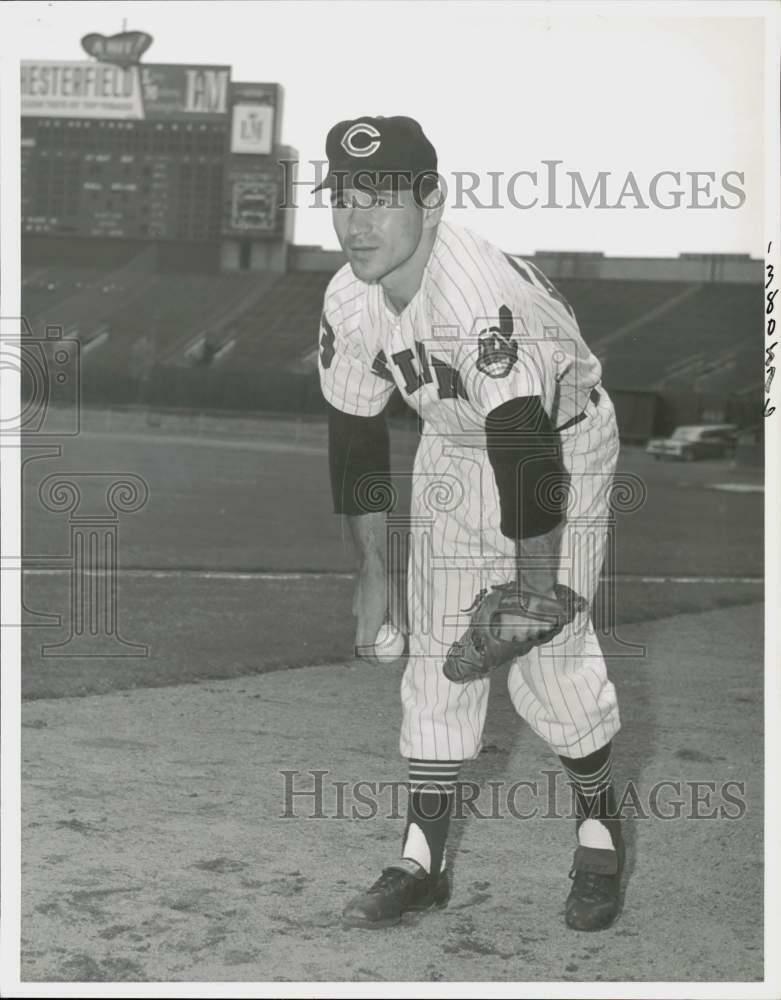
(378, 152)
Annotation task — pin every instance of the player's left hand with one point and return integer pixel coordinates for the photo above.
(529, 623)
(507, 624)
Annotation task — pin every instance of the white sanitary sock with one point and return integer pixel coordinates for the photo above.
(592, 833)
(416, 847)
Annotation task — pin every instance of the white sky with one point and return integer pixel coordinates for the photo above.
(497, 87)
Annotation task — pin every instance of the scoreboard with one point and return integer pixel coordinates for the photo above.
(147, 152)
(122, 178)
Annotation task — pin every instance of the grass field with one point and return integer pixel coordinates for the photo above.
(236, 565)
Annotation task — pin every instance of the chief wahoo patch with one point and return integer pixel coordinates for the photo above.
(497, 352)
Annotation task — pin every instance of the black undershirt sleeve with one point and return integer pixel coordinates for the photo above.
(359, 463)
(525, 452)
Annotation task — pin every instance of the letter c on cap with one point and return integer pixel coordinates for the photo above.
(360, 128)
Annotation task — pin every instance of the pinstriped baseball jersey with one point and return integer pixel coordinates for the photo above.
(483, 328)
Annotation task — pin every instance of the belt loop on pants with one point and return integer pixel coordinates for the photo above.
(593, 398)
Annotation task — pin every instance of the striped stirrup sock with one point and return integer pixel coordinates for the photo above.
(592, 779)
(432, 786)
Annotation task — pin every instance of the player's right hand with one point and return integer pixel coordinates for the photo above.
(370, 607)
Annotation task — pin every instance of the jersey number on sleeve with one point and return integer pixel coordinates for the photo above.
(327, 349)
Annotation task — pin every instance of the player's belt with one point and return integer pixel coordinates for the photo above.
(593, 398)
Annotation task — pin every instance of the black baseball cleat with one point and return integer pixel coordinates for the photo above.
(594, 899)
(403, 887)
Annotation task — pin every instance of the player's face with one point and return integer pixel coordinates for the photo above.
(379, 231)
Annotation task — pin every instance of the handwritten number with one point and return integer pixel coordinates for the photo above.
(770, 370)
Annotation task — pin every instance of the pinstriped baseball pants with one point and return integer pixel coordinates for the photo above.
(456, 548)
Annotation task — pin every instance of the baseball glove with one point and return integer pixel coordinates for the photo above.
(506, 624)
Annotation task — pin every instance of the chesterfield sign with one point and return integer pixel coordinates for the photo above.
(124, 49)
(104, 90)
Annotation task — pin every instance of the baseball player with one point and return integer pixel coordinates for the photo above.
(510, 496)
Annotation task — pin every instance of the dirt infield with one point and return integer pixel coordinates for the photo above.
(156, 845)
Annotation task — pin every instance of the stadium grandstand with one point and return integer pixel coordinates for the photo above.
(153, 236)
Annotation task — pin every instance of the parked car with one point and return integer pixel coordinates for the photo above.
(697, 441)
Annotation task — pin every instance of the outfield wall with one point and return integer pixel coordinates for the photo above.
(641, 414)
(687, 268)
